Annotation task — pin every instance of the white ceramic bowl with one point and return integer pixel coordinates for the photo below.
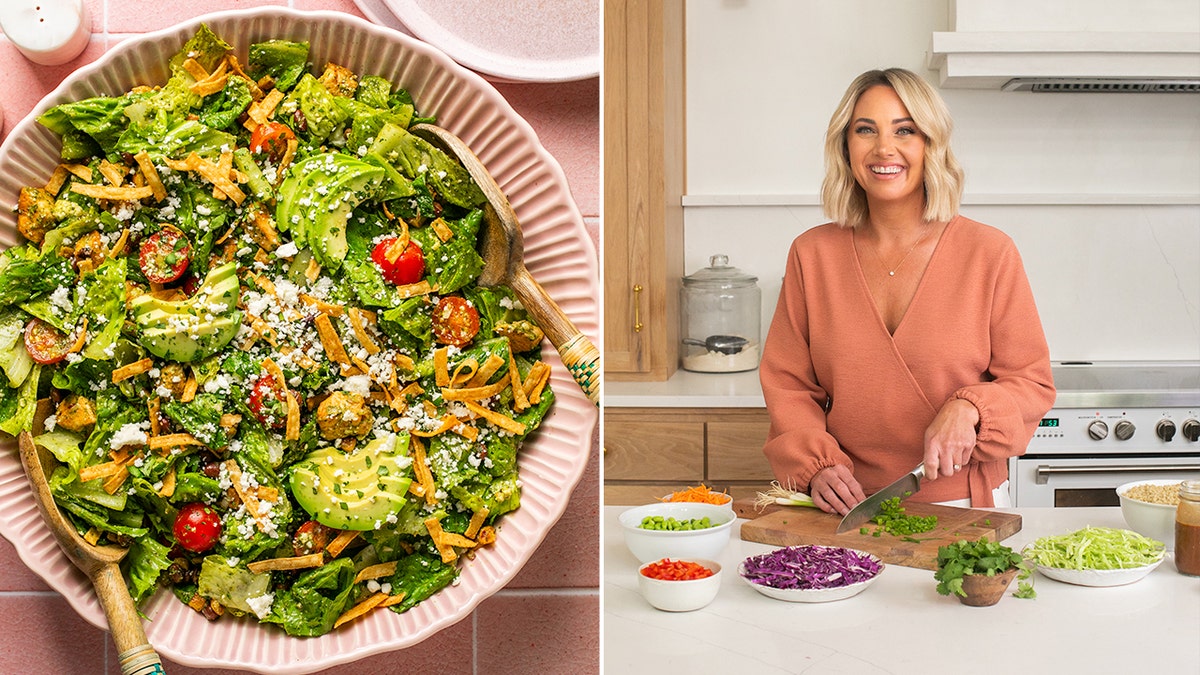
(650, 545)
(813, 595)
(558, 252)
(1098, 577)
(681, 596)
(1156, 521)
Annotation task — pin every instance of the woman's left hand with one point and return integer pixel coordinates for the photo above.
(950, 438)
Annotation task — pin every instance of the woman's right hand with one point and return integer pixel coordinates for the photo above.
(835, 490)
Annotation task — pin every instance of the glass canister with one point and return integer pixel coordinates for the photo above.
(720, 308)
(1187, 529)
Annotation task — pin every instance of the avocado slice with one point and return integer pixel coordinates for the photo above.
(354, 490)
(317, 197)
(195, 328)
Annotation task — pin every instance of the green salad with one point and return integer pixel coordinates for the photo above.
(246, 322)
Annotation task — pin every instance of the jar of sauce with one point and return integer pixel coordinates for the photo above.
(1187, 529)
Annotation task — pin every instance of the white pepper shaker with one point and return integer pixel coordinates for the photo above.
(47, 32)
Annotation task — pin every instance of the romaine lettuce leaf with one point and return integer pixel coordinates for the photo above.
(22, 419)
(284, 61)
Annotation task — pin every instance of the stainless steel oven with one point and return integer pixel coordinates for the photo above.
(1112, 423)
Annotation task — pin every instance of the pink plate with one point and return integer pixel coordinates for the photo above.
(558, 252)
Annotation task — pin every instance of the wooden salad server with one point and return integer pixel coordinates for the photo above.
(504, 263)
(100, 563)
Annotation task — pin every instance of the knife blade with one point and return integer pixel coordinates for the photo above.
(908, 484)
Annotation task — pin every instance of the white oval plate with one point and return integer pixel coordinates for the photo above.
(1098, 577)
(518, 40)
(558, 251)
(816, 595)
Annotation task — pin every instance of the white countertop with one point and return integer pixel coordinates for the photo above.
(686, 389)
(901, 625)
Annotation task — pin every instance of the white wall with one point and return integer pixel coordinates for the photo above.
(1100, 191)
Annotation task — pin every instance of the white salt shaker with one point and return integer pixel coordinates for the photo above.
(47, 32)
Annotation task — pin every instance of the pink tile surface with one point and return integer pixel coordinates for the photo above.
(547, 619)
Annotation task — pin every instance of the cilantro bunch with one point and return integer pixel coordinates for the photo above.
(963, 557)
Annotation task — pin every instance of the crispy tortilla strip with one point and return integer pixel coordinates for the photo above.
(321, 305)
(422, 472)
(136, 368)
(120, 244)
(92, 536)
(151, 174)
(422, 287)
(376, 571)
(360, 609)
(441, 229)
(475, 393)
(456, 540)
(262, 329)
(467, 431)
(293, 418)
(266, 493)
(497, 419)
(486, 371)
(189, 387)
(152, 407)
(298, 357)
(441, 360)
(536, 380)
(313, 270)
(249, 499)
(81, 171)
(477, 520)
(179, 440)
(396, 248)
(123, 194)
(104, 470)
(276, 372)
(228, 233)
(393, 600)
(520, 401)
(80, 337)
(463, 372)
(487, 535)
(413, 389)
(298, 562)
(437, 533)
(168, 484)
(340, 542)
(112, 173)
(448, 422)
(216, 174)
(193, 68)
(214, 82)
(114, 482)
(57, 179)
(360, 331)
(404, 362)
(330, 340)
(261, 111)
(288, 155)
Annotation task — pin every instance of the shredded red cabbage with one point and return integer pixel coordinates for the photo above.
(810, 567)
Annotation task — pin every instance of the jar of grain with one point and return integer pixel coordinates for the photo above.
(720, 312)
(1187, 529)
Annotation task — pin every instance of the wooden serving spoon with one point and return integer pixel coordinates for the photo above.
(100, 563)
(504, 263)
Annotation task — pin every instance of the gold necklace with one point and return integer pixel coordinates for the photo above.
(892, 272)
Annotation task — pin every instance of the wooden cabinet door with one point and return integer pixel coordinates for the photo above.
(643, 186)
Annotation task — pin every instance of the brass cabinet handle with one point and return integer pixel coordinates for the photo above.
(637, 307)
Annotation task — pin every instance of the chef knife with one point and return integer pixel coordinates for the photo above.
(909, 483)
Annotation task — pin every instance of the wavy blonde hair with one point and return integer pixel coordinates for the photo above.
(843, 199)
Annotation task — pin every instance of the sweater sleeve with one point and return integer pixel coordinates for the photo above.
(798, 444)
(1021, 386)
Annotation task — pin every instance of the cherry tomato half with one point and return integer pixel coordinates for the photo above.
(268, 403)
(312, 537)
(164, 256)
(407, 269)
(272, 139)
(455, 321)
(197, 527)
(45, 343)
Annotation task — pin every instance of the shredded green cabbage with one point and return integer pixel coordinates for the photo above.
(1095, 548)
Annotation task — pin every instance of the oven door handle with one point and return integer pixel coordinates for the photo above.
(1045, 471)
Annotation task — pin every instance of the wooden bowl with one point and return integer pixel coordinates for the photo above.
(985, 591)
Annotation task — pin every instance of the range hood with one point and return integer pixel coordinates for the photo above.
(1070, 46)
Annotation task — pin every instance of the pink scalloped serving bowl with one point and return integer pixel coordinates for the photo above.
(558, 252)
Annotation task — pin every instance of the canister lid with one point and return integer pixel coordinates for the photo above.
(719, 274)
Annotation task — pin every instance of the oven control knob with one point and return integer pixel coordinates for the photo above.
(1124, 430)
(1098, 430)
(1191, 430)
(1165, 430)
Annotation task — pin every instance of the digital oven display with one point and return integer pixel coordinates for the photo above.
(1048, 422)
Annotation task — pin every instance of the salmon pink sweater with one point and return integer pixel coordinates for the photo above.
(841, 390)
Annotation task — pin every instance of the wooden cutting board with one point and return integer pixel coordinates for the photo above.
(791, 526)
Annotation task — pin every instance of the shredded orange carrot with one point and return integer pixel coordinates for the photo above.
(698, 494)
